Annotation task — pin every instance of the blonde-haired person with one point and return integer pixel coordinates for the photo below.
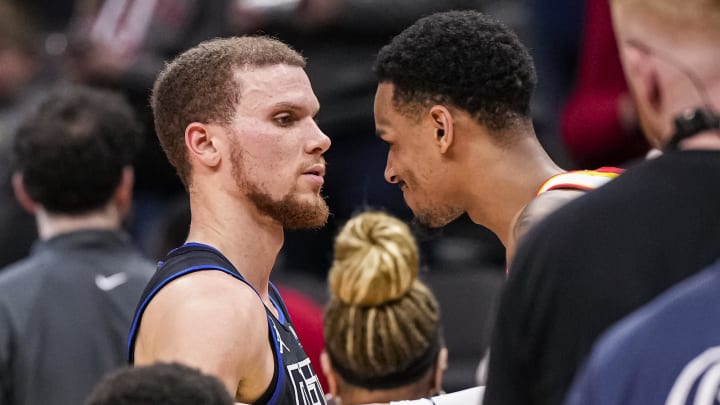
(382, 325)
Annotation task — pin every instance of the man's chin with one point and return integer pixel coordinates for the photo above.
(306, 215)
(430, 225)
(293, 212)
(424, 230)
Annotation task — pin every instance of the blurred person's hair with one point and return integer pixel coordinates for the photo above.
(463, 59)
(159, 384)
(382, 325)
(202, 85)
(72, 150)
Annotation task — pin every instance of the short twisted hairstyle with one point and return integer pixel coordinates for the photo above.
(200, 86)
(159, 383)
(462, 58)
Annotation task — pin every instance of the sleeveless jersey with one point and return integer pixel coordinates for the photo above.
(582, 180)
(294, 380)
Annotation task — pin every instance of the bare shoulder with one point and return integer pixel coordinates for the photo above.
(542, 206)
(205, 296)
(212, 321)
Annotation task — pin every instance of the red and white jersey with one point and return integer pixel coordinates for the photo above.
(580, 179)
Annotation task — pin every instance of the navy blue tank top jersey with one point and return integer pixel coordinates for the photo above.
(294, 381)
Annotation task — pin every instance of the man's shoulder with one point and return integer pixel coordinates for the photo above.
(208, 282)
(603, 216)
(209, 290)
(22, 272)
(138, 267)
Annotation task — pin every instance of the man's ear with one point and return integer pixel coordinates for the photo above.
(643, 76)
(201, 144)
(440, 370)
(329, 372)
(21, 194)
(444, 126)
(124, 191)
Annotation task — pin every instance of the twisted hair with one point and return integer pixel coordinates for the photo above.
(380, 318)
(462, 58)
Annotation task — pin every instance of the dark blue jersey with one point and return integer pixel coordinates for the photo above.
(294, 381)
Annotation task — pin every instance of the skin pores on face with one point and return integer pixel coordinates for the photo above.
(277, 148)
(413, 161)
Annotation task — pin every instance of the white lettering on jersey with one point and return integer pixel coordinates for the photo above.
(703, 373)
(305, 383)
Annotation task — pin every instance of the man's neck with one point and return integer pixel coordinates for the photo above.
(250, 241)
(514, 183)
(53, 224)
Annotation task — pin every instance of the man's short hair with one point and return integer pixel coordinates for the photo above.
(160, 383)
(200, 85)
(72, 150)
(462, 58)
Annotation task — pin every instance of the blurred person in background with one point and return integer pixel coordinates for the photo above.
(159, 384)
(24, 81)
(667, 351)
(606, 254)
(65, 310)
(599, 123)
(382, 324)
(123, 45)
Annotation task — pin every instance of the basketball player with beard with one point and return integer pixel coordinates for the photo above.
(236, 118)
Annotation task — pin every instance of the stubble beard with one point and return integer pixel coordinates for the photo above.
(289, 210)
(430, 219)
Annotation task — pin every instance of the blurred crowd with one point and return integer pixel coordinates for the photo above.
(582, 111)
(122, 45)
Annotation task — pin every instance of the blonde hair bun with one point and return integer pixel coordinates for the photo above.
(376, 260)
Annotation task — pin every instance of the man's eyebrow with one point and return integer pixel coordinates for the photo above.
(294, 106)
(286, 105)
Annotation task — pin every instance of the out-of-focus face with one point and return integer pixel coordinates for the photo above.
(277, 148)
(651, 58)
(414, 162)
(16, 70)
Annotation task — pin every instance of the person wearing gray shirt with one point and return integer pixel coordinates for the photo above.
(65, 310)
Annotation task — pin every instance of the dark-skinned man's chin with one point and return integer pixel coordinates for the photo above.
(424, 230)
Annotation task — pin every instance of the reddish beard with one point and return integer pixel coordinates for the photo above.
(290, 211)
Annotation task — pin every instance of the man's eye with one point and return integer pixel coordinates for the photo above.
(284, 120)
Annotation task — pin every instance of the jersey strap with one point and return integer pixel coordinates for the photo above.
(580, 179)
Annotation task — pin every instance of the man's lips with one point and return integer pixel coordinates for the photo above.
(317, 170)
(316, 174)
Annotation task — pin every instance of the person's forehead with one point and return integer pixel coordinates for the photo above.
(385, 108)
(276, 84)
(384, 94)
